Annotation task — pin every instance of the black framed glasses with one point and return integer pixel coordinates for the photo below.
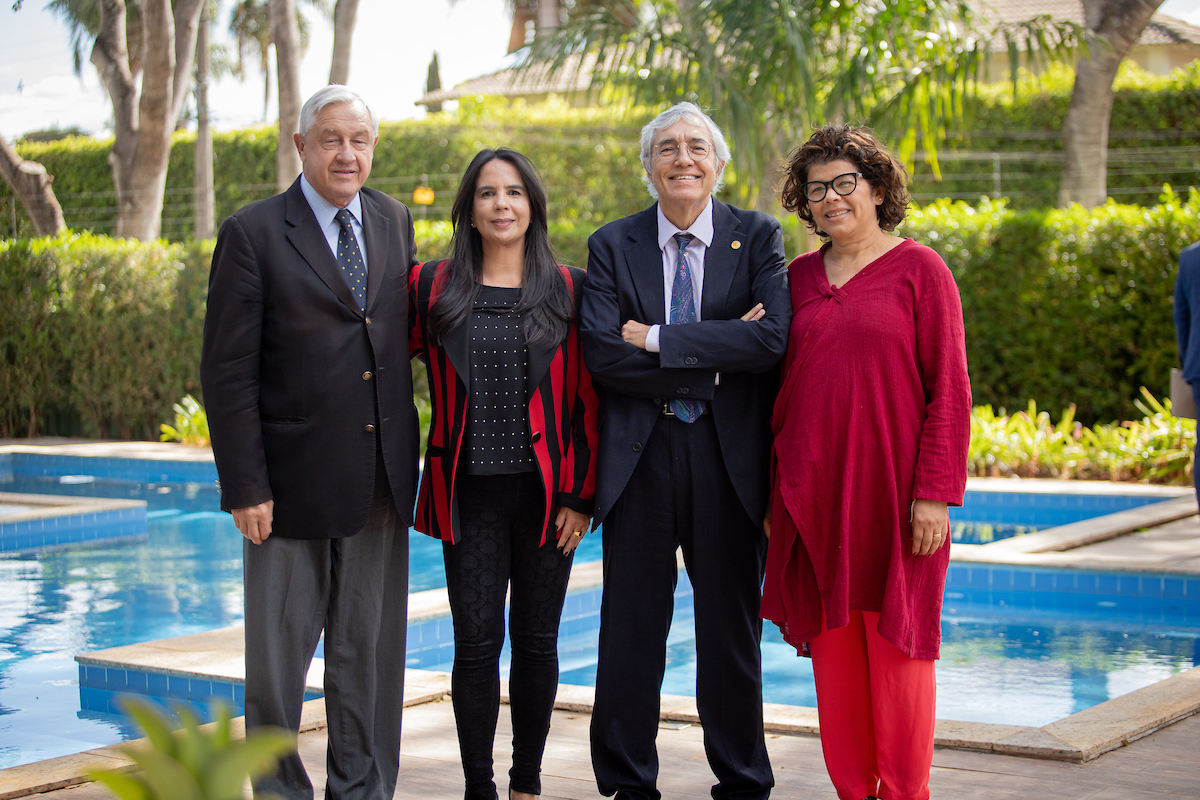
(698, 149)
(844, 184)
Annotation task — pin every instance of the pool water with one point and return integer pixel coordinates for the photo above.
(990, 516)
(1002, 661)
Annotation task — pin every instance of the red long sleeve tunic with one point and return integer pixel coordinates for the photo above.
(874, 412)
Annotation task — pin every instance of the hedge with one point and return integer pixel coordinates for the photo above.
(589, 157)
(101, 336)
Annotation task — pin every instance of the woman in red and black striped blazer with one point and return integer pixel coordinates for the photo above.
(510, 465)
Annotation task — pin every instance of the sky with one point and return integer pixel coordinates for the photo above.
(393, 43)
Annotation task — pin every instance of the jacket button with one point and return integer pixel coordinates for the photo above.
(658, 401)
(690, 361)
(368, 320)
(367, 375)
(537, 436)
(637, 447)
(369, 428)
(682, 390)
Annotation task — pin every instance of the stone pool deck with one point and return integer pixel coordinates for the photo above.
(1143, 745)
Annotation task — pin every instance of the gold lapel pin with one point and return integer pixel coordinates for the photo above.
(735, 244)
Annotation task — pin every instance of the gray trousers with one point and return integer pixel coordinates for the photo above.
(356, 590)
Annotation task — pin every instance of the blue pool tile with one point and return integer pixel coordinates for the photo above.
(222, 690)
(1022, 580)
(1152, 586)
(1192, 588)
(118, 680)
(179, 686)
(1002, 579)
(1128, 586)
(156, 684)
(91, 676)
(1086, 583)
(980, 579)
(1108, 584)
(1127, 604)
(200, 690)
(1043, 581)
(958, 576)
(239, 694)
(137, 681)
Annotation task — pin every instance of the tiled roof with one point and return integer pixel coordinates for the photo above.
(513, 83)
(1162, 30)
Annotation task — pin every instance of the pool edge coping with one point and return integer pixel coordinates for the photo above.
(1078, 738)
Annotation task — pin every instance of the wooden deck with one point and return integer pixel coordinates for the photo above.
(1162, 766)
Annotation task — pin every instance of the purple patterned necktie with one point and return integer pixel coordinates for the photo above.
(350, 259)
(683, 309)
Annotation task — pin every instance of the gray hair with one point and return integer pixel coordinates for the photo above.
(676, 113)
(330, 95)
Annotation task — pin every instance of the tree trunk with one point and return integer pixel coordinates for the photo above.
(1119, 24)
(29, 181)
(344, 14)
(287, 69)
(143, 125)
(204, 152)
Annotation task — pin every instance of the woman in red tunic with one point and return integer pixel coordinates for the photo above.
(871, 428)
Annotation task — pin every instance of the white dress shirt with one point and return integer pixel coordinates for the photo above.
(326, 213)
(702, 236)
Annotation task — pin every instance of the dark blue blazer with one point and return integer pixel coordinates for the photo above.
(1187, 311)
(744, 266)
(298, 381)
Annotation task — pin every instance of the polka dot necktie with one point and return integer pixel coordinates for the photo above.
(350, 259)
(683, 309)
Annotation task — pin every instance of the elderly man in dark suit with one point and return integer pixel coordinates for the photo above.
(309, 396)
(684, 318)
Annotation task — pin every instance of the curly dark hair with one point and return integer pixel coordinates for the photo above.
(859, 146)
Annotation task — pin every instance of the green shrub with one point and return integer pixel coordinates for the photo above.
(590, 157)
(1069, 306)
(1072, 307)
(98, 335)
(195, 763)
(1157, 447)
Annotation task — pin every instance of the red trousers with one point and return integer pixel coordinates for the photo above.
(876, 707)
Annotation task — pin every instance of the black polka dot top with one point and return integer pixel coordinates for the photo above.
(497, 434)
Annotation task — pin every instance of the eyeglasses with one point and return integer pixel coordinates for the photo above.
(698, 149)
(845, 184)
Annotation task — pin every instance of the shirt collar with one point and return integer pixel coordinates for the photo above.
(324, 210)
(702, 228)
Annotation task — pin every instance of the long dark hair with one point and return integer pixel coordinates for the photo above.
(545, 304)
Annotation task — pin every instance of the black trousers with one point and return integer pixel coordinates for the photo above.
(680, 496)
(501, 524)
(356, 590)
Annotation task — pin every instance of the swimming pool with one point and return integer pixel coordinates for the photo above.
(991, 516)
(184, 576)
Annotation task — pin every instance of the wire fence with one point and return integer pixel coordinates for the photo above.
(1027, 179)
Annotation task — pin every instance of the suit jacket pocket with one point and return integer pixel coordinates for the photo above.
(284, 420)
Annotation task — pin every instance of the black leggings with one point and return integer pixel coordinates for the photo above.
(500, 523)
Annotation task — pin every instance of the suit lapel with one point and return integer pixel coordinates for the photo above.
(540, 358)
(720, 263)
(376, 232)
(644, 257)
(456, 344)
(306, 236)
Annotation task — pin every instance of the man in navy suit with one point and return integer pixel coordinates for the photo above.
(309, 397)
(684, 318)
(1187, 322)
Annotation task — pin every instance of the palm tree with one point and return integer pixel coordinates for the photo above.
(250, 24)
(770, 69)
